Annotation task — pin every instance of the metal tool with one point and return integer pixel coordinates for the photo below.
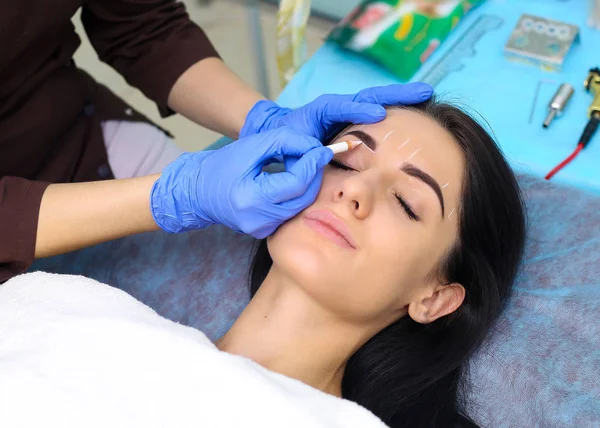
(592, 85)
(464, 47)
(540, 41)
(558, 102)
(536, 95)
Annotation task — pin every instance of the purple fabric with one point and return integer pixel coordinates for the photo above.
(541, 367)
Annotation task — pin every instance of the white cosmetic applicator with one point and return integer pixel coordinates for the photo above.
(343, 146)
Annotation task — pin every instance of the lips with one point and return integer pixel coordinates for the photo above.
(329, 225)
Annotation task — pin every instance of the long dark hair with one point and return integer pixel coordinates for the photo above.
(411, 374)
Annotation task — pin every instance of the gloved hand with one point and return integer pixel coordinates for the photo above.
(322, 117)
(227, 186)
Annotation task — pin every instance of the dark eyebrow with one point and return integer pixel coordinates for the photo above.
(364, 137)
(407, 168)
(413, 171)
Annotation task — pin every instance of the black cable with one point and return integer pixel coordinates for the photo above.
(586, 137)
(590, 129)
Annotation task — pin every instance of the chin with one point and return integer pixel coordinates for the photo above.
(305, 258)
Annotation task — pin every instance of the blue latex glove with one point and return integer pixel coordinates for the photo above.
(322, 117)
(227, 186)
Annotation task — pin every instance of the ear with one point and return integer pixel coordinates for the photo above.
(441, 301)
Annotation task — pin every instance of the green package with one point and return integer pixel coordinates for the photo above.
(400, 34)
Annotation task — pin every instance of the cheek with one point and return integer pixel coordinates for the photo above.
(391, 258)
(295, 249)
(299, 256)
(399, 259)
(332, 180)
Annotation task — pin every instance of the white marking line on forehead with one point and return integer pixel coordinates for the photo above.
(445, 185)
(403, 144)
(414, 154)
(388, 134)
(451, 212)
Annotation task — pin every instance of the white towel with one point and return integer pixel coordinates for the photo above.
(77, 353)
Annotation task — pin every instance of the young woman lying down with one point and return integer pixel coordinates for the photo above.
(365, 309)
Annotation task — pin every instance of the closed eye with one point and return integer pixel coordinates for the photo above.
(409, 211)
(338, 165)
(407, 208)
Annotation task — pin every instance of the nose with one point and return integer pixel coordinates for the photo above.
(356, 193)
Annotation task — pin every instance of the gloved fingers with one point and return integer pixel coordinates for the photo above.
(282, 141)
(275, 159)
(258, 117)
(294, 206)
(291, 208)
(293, 183)
(290, 161)
(412, 93)
(352, 112)
(264, 232)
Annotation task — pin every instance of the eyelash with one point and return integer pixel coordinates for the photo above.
(338, 165)
(407, 208)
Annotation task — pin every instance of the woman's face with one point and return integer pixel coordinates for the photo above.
(372, 240)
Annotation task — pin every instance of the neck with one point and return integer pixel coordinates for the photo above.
(286, 331)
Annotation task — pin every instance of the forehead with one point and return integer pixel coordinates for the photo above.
(411, 136)
(403, 130)
(400, 125)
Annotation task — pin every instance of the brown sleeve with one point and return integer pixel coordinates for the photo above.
(151, 42)
(20, 201)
